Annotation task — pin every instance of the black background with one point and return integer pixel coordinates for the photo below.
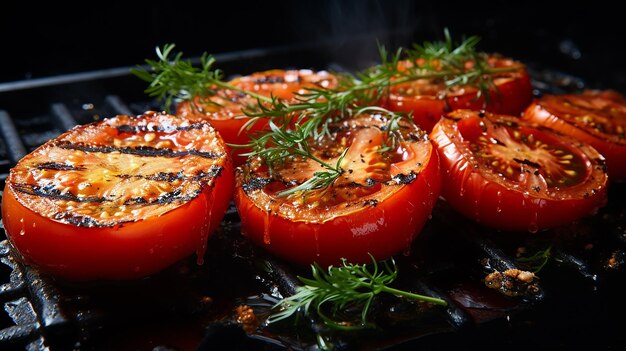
(56, 38)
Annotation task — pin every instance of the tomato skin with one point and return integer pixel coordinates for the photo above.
(567, 114)
(513, 94)
(127, 250)
(130, 251)
(383, 229)
(480, 194)
(228, 117)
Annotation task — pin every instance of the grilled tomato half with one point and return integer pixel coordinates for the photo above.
(225, 108)
(509, 91)
(597, 118)
(512, 175)
(377, 205)
(120, 198)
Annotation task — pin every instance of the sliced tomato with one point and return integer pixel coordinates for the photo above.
(429, 99)
(511, 175)
(120, 198)
(377, 206)
(594, 117)
(225, 110)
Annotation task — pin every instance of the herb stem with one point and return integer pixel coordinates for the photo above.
(414, 296)
(228, 86)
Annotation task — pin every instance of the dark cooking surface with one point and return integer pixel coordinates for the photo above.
(189, 307)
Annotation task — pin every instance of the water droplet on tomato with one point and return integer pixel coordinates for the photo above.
(499, 201)
(533, 228)
(22, 231)
(266, 228)
(204, 231)
(316, 237)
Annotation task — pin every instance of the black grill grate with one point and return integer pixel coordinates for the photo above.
(189, 307)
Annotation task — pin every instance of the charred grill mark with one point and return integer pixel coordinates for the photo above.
(255, 183)
(59, 166)
(125, 128)
(169, 177)
(80, 220)
(271, 79)
(167, 198)
(370, 202)
(404, 178)
(145, 151)
(51, 192)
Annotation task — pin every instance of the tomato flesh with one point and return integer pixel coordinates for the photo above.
(429, 99)
(121, 198)
(594, 117)
(225, 109)
(511, 175)
(377, 206)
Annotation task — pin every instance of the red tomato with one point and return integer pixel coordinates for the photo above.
(429, 99)
(594, 117)
(511, 175)
(225, 109)
(377, 206)
(121, 198)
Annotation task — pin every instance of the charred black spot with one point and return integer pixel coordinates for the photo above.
(164, 176)
(136, 201)
(169, 177)
(51, 192)
(601, 163)
(146, 151)
(271, 79)
(370, 202)
(78, 220)
(405, 178)
(125, 128)
(59, 166)
(255, 183)
(175, 196)
(527, 162)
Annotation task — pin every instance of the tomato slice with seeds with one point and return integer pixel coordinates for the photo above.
(512, 175)
(597, 118)
(377, 206)
(429, 99)
(121, 198)
(225, 109)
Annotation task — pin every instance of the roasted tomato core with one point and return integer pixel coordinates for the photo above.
(370, 167)
(522, 153)
(592, 112)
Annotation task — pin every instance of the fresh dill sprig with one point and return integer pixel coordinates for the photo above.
(174, 79)
(459, 65)
(345, 287)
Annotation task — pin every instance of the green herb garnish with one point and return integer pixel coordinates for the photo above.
(346, 287)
